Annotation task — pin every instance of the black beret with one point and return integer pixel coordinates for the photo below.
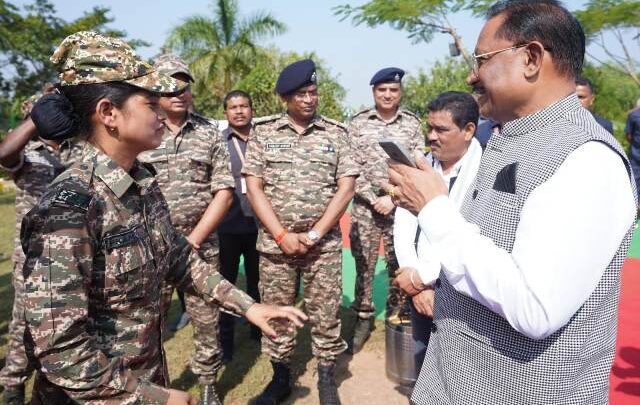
(387, 75)
(298, 74)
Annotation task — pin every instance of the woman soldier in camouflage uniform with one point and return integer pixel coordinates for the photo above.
(100, 242)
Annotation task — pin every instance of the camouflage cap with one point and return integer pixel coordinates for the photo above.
(88, 57)
(171, 64)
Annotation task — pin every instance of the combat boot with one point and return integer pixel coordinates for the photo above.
(208, 395)
(327, 389)
(361, 332)
(14, 395)
(280, 386)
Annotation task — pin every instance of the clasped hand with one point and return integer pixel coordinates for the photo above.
(296, 244)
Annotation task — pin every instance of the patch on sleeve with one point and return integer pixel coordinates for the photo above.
(73, 199)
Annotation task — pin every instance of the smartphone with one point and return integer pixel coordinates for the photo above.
(397, 152)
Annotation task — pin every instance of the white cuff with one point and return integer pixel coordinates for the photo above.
(429, 272)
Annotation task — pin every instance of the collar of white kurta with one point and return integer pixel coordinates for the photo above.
(467, 168)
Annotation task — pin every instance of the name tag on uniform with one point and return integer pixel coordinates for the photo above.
(278, 146)
(122, 239)
(243, 186)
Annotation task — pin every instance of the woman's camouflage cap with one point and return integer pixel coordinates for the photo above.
(88, 57)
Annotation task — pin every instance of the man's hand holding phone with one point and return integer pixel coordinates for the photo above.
(415, 187)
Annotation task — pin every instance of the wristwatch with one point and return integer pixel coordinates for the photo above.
(313, 235)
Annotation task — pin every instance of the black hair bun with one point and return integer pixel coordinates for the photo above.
(54, 117)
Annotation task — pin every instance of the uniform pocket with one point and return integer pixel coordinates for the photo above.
(126, 261)
(277, 168)
(200, 170)
(323, 167)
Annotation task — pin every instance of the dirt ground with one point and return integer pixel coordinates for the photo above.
(362, 378)
(362, 381)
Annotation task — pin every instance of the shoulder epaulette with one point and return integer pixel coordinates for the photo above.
(366, 110)
(81, 171)
(72, 186)
(266, 119)
(204, 120)
(410, 113)
(334, 122)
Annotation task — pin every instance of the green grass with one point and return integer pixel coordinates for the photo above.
(7, 231)
(243, 379)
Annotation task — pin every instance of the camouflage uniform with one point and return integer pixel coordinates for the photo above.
(191, 167)
(367, 226)
(98, 247)
(39, 165)
(299, 174)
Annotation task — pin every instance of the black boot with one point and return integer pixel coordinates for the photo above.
(327, 389)
(208, 395)
(280, 386)
(361, 332)
(14, 395)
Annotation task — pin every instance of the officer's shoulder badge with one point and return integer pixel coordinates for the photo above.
(361, 112)
(410, 113)
(266, 119)
(80, 171)
(201, 119)
(335, 122)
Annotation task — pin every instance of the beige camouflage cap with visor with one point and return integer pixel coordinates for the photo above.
(88, 57)
(171, 64)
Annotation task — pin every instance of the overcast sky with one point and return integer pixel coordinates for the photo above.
(353, 54)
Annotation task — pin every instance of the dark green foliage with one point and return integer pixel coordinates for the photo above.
(224, 55)
(446, 75)
(27, 40)
(616, 94)
(621, 19)
(261, 82)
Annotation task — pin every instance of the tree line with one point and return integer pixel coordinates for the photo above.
(224, 52)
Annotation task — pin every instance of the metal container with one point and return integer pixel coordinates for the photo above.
(400, 360)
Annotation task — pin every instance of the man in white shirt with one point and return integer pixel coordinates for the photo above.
(455, 155)
(526, 303)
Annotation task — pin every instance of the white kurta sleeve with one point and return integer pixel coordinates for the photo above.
(570, 228)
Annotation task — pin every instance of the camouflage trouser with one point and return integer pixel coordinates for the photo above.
(207, 354)
(19, 363)
(367, 226)
(322, 278)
